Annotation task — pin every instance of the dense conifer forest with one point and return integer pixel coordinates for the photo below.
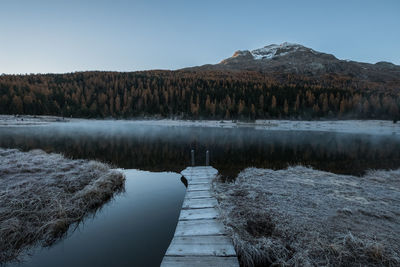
(197, 95)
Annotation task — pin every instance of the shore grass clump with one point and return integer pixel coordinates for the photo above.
(304, 217)
(42, 194)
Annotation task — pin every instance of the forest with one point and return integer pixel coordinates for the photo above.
(243, 95)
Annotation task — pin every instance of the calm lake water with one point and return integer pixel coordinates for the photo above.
(136, 227)
(131, 145)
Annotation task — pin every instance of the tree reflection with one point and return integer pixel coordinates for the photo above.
(157, 148)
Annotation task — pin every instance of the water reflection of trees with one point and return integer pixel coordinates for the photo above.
(168, 148)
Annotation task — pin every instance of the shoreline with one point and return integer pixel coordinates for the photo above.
(374, 127)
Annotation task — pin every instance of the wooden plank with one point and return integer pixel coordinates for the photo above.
(198, 203)
(199, 171)
(196, 214)
(201, 246)
(200, 181)
(194, 171)
(199, 227)
(202, 261)
(199, 176)
(198, 187)
(198, 194)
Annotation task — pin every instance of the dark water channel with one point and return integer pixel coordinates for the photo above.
(135, 228)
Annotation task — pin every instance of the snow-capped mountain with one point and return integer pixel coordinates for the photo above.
(298, 59)
(273, 50)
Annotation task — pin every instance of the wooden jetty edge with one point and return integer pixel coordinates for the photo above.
(200, 238)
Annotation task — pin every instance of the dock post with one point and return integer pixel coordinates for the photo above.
(207, 158)
(192, 152)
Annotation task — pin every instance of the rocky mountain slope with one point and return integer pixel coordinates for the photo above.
(297, 59)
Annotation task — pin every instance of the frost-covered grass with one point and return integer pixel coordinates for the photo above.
(42, 194)
(305, 217)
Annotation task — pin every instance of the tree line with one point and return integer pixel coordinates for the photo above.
(189, 94)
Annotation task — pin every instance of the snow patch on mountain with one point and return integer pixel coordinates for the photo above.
(274, 50)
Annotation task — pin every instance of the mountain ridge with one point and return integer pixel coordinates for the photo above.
(290, 58)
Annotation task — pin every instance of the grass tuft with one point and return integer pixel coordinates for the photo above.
(305, 217)
(42, 194)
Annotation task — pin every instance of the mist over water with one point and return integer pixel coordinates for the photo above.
(167, 148)
(152, 199)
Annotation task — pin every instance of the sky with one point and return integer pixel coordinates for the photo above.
(65, 36)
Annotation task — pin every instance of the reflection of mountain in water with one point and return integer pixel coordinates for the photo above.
(158, 148)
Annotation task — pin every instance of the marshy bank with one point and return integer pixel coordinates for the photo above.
(304, 217)
(42, 194)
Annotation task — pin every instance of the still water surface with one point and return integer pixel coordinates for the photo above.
(131, 145)
(136, 227)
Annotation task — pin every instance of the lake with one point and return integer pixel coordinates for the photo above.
(135, 228)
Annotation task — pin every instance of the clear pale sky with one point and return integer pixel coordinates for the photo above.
(66, 36)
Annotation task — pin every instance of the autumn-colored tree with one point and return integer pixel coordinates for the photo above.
(17, 105)
(342, 107)
(206, 94)
(365, 108)
(241, 107)
(253, 111)
(286, 107)
(297, 103)
(273, 102)
(325, 104)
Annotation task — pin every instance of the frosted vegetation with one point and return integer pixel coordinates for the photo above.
(305, 217)
(42, 194)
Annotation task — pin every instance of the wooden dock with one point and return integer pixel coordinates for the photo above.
(200, 238)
